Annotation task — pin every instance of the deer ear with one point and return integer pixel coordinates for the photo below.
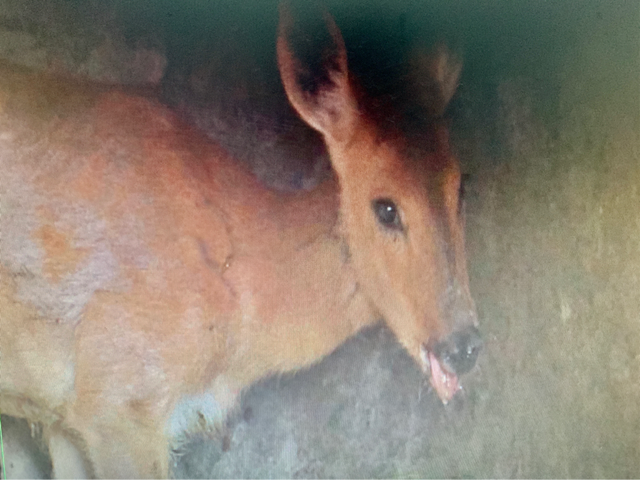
(435, 77)
(323, 98)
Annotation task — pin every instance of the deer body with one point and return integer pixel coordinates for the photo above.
(146, 277)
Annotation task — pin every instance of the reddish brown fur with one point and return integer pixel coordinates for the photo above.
(142, 269)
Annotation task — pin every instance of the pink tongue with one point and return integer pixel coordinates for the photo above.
(445, 383)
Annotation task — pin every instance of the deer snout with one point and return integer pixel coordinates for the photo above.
(459, 351)
(449, 358)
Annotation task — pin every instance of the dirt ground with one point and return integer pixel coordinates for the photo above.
(547, 122)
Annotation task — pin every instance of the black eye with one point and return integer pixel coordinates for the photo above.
(387, 213)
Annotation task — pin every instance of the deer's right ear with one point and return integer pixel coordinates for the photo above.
(327, 101)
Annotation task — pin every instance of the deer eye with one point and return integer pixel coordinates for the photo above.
(387, 213)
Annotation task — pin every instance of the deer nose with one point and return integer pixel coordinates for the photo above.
(458, 352)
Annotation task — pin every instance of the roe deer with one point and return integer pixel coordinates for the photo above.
(147, 278)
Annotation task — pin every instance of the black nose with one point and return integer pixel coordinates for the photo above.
(459, 351)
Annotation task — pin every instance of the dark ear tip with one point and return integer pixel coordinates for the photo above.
(336, 35)
(447, 72)
(285, 18)
(435, 75)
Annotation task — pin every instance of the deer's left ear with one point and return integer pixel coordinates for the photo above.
(330, 106)
(434, 76)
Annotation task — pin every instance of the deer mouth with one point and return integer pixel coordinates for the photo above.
(453, 355)
(443, 381)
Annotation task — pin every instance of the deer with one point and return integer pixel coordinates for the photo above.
(147, 278)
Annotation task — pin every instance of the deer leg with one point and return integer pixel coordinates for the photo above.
(134, 452)
(67, 460)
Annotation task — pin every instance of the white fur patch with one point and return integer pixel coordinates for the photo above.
(194, 413)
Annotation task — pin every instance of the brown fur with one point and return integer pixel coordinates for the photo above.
(142, 269)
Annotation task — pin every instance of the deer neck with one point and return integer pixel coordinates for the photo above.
(299, 298)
